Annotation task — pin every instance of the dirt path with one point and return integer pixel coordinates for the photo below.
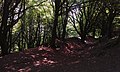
(110, 62)
(38, 60)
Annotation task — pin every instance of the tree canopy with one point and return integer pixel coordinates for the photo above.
(31, 23)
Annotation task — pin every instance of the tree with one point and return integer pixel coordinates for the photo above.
(10, 17)
(56, 15)
(110, 11)
(85, 15)
(12, 12)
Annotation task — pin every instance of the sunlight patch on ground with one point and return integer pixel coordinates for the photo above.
(75, 62)
(44, 48)
(33, 56)
(45, 61)
(27, 69)
(37, 63)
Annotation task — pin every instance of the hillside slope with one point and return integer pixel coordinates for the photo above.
(45, 60)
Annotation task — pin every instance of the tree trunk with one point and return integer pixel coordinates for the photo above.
(3, 28)
(54, 35)
(110, 24)
(94, 31)
(83, 37)
(65, 21)
(4, 46)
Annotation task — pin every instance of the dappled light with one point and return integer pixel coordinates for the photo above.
(36, 59)
(44, 61)
(27, 69)
(43, 56)
(59, 36)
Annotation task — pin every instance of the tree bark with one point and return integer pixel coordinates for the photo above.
(65, 21)
(54, 35)
(3, 28)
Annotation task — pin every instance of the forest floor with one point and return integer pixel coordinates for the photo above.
(43, 59)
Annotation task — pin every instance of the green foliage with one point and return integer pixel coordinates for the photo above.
(35, 25)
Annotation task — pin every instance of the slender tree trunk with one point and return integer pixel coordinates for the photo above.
(10, 40)
(110, 24)
(83, 37)
(94, 31)
(54, 35)
(104, 28)
(38, 34)
(3, 28)
(44, 36)
(65, 21)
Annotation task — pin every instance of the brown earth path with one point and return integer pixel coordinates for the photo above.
(40, 60)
